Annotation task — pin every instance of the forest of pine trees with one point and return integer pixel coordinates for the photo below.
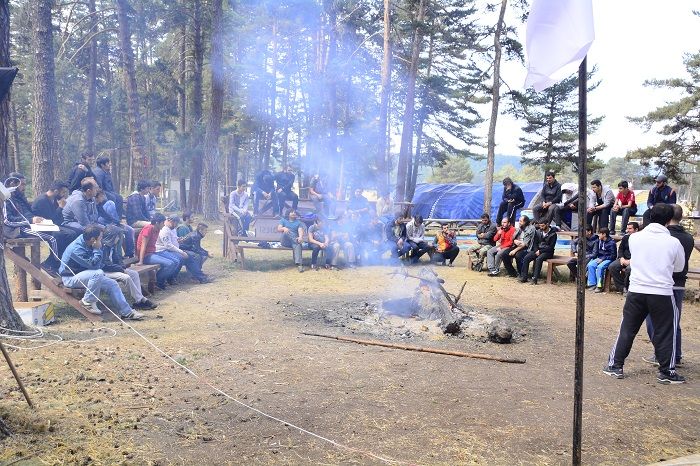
(201, 93)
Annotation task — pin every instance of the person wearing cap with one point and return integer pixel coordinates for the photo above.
(512, 200)
(167, 245)
(625, 205)
(18, 218)
(662, 193)
(655, 257)
(146, 247)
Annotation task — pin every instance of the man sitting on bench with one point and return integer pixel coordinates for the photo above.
(415, 239)
(620, 269)
(484, 241)
(547, 238)
(238, 207)
(146, 246)
(591, 240)
(264, 190)
(193, 243)
(604, 252)
(292, 230)
(136, 210)
(494, 256)
(80, 268)
(167, 245)
(18, 218)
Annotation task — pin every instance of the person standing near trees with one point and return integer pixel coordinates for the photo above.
(551, 195)
(512, 200)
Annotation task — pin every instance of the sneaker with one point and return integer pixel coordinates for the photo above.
(598, 290)
(533, 282)
(651, 360)
(671, 377)
(591, 288)
(146, 304)
(624, 293)
(161, 286)
(301, 269)
(313, 267)
(204, 280)
(450, 264)
(613, 371)
(90, 307)
(479, 267)
(522, 279)
(171, 281)
(134, 315)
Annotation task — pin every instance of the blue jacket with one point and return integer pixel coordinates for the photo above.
(136, 209)
(665, 195)
(104, 180)
(78, 257)
(606, 250)
(79, 210)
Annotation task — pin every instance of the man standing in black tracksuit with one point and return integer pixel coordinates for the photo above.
(679, 279)
(620, 268)
(544, 251)
(551, 196)
(656, 256)
(511, 200)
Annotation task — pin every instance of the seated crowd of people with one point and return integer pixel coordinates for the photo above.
(93, 248)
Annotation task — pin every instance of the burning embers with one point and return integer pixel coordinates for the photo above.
(432, 302)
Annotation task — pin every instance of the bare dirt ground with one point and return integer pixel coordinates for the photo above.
(115, 400)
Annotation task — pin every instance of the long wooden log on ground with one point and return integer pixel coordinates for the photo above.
(418, 348)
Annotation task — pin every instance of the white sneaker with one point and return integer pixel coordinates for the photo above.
(135, 315)
(91, 307)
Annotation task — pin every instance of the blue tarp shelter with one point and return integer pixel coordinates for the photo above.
(462, 201)
(466, 200)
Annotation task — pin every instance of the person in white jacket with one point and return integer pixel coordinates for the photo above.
(656, 255)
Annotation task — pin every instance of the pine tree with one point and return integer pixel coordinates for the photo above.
(551, 126)
(678, 123)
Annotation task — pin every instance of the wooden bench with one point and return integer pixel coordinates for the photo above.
(18, 246)
(553, 263)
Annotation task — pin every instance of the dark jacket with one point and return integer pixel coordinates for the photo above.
(265, 181)
(47, 207)
(551, 193)
(548, 241)
(104, 180)
(515, 194)
(490, 232)
(18, 213)
(76, 175)
(606, 250)
(665, 195)
(284, 180)
(590, 243)
(623, 252)
(193, 242)
(136, 209)
(686, 240)
(395, 231)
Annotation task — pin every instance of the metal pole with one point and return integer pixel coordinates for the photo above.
(581, 252)
(14, 372)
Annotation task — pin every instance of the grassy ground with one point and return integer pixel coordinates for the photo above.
(115, 400)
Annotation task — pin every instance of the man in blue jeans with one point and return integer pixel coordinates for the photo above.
(146, 246)
(80, 268)
(167, 245)
(604, 252)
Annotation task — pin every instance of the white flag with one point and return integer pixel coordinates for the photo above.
(559, 34)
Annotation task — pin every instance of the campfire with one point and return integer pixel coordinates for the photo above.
(432, 302)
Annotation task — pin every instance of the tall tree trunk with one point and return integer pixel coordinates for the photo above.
(422, 115)
(495, 100)
(272, 118)
(331, 73)
(107, 116)
(9, 319)
(381, 159)
(233, 154)
(211, 140)
(182, 108)
(408, 116)
(196, 120)
(46, 125)
(137, 142)
(91, 114)
(16, 164)
(285, 131)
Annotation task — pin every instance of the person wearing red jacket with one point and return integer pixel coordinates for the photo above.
(494, 256)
